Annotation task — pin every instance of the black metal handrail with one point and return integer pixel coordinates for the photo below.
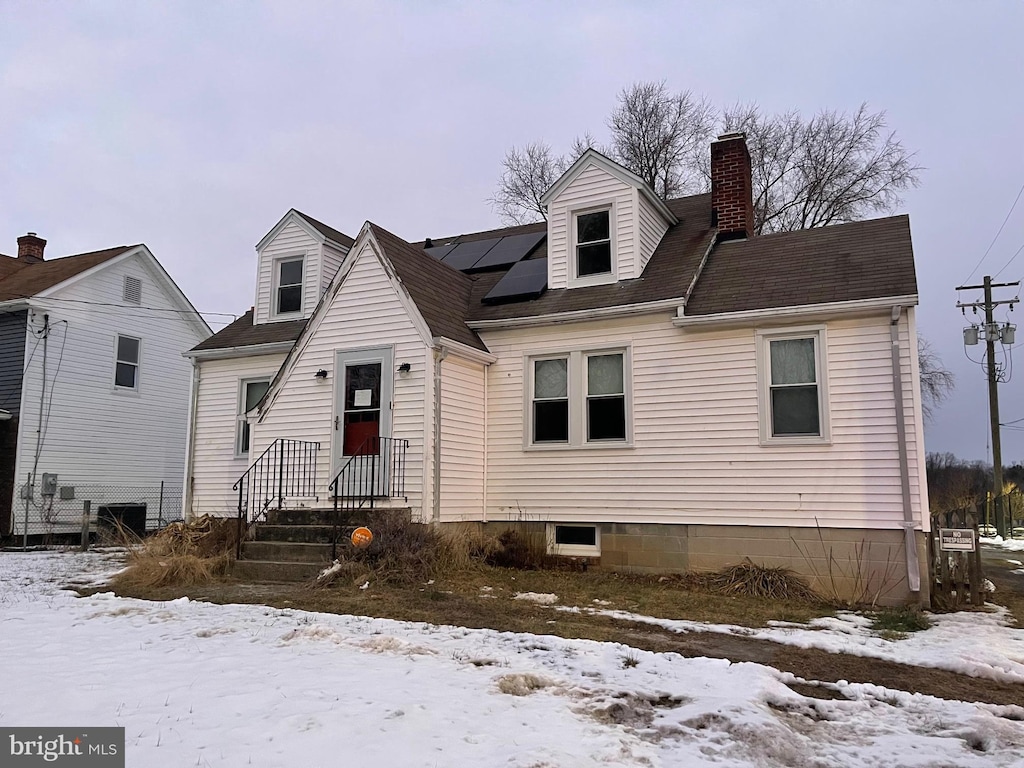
(375, 471)
(286, 469)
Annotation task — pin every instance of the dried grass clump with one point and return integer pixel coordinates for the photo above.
(180, 555)
(514, 550)
(752, 580)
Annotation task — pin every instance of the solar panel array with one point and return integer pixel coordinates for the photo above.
(492, 253)
(525, 280)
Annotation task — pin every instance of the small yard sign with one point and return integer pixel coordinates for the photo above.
(957, 539)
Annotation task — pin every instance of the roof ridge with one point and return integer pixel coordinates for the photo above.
(327, 230)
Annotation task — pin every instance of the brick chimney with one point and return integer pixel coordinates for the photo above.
(30, 248)
(732, 197)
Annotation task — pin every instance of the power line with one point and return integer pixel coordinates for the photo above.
(997, 274)
(997, 235)
(129, 306)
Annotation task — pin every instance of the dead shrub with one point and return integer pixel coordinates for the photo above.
(753, 580)
(514, 550)
(182, 554)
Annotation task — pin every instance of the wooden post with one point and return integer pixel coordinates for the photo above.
(85, 525)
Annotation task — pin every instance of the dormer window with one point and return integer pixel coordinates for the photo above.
(289, 286)
(592, 246)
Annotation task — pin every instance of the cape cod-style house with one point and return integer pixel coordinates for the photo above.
(645, 383)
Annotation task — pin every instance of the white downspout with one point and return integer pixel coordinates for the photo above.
(486, 426)
(190, 443)
(440, 353)
(909, 538)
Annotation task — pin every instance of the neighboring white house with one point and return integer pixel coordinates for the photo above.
(92, 375)
(643, 382)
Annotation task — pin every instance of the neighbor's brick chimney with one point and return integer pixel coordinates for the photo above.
(732, 198)
(30, 248)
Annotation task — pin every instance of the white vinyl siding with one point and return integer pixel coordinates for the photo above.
(365, 313)
(215, 464)
(696, 456)
(462, 439)
(330, 262)
(592, 189)
(94, 434)
(291, 242)
(652, 227)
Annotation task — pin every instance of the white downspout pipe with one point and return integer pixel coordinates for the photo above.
(909, 538)
(440, 353)
(190, 443)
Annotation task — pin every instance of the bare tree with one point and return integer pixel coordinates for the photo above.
(831, 169)
(936, 381)
(659, 135)
(526, 175)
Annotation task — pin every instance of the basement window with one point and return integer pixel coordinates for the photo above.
(573, 540)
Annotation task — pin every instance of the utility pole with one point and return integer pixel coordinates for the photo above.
(992, 332)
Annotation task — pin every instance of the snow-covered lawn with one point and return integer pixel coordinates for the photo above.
(998, 542)
(196, 684)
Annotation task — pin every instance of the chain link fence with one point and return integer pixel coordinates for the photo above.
(58, 512)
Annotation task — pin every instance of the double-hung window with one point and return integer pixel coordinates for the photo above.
(126, 365)
(793, 393)
(578, 398)
(251, 391)
(289, 286)
(593, 243)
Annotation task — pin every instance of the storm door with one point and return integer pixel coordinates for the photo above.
(363, 392)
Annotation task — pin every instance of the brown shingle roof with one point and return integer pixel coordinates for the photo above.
(667, 276)
(845, 262)
(441, 294)
(243, 333)
(30, 279)
(328, 232)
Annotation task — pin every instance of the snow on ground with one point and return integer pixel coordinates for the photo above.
(998, 542)
(973, 643)
(197, 684)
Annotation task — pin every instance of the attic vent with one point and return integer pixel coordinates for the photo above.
(132, 290)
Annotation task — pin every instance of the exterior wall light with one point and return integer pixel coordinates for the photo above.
(321, 374)
(404, 368)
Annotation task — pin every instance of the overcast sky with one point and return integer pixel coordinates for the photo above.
(194, 126)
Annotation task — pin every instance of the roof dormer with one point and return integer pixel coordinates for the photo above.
(604, 222)
(298, 258)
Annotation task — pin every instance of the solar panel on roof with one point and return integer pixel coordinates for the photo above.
(439, 251)
(527, 279)
(509, 250)
(466, 255)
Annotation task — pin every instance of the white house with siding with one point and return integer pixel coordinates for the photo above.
(92, 376)
(648, 384)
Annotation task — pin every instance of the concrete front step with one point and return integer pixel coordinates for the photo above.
(326, 516)
(286, 551)
(266, 570)
(309, 534)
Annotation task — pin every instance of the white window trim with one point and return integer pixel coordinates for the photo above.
(763, 338)
(573, 550)
(138, 368)
(575, 281)
(577, 399)
(241, 418)
(275, 283)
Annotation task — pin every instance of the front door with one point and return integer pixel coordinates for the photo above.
(363, 389)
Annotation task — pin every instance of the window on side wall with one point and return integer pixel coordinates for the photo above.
(579, 399)
(251, 391)
(128, 353)
(289, 286)
(793, 396)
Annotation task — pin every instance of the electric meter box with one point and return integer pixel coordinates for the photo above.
(49, 485)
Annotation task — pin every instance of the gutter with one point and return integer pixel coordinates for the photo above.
(249, 350)
(910, 543)
(799, 312)
(579, 315)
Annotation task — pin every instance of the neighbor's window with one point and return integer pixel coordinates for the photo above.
(579, 398)
(793, 396)
(593, 243)
(289, 286)
(251, 392)
(126, 368)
